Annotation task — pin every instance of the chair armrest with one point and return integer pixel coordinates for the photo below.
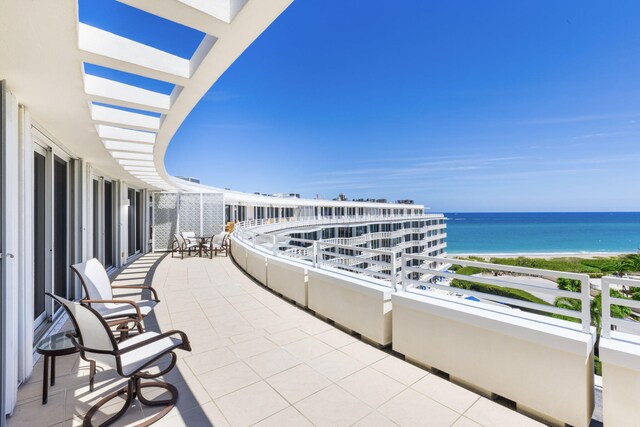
(186, 345)
(153, 291)
(87, 349)
(115, 301)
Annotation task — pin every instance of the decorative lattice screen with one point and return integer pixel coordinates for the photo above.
(177, 212)
(212, 214)
(165, 219)
(189, 213)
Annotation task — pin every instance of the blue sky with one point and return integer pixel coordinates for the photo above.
(459, 105)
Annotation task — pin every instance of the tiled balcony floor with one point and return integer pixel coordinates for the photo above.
(258, 360)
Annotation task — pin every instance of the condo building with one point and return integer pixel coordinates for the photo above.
(347, 295)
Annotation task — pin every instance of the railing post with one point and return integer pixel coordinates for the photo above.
(403, 263)
(586, 304)
(274, 242)
(606, 308)
(315, 254)
(394, 277)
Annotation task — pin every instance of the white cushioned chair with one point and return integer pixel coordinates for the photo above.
(218, 243)
(129, 358)
(99, 295)
(181, 245)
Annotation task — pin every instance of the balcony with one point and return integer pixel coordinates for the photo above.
(258, 359)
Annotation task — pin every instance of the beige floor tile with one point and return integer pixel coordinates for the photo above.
(251, 348)
(465, 422)
(280, 326)
(450, 395)
(232, 330)
(335, 365)
(287, 336)
(248, 336)
(364, 353)
(289, 417)
(251, 404)
(332, 406)
(191, 395)
(314, 326)
(34, 413)
(399, 370)
(375, 419)
(210, 360)
(272, 362)
(202, 297)
(228, 379)
(411, 408)
(298, 382)
(249, 305)
(335, 338)
(207, 415)
(308, 348)
(488, 413)
(371, 386)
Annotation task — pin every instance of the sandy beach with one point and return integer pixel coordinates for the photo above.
(544, 255)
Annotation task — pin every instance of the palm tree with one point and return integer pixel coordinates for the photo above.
(617, 311)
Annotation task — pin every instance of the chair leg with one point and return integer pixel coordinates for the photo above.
(132, 390)
(129, 390)
(92, 374)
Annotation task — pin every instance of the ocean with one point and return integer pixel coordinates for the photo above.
(543, 232)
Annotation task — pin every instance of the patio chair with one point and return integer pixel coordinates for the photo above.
(181, 246)
(130, 358)
(99, 295)
(217, 243)
(189, 237)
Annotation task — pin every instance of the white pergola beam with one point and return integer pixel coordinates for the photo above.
(126, 95)
(100, 113)
(129, 135)
(104, 43)
(128, 146)
(131, 156)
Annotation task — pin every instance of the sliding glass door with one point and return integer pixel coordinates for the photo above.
(51, 230)
(39, 236)
(97, 216)
(103, 221)
(61, 228)
(109, 229)
(135, 220)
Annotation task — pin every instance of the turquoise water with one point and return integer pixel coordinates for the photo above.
(543, 232)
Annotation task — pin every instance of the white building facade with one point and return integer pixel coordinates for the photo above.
(82, 162)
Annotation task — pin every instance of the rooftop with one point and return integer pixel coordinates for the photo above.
(259, 360)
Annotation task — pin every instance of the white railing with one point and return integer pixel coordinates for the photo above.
(271, 224)
(331, 253)
(384, 265)
(349, 258)
(608, 322)
(428, 274)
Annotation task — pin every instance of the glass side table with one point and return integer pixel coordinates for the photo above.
(51, 347)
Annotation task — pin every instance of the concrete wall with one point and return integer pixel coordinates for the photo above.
(620, 358)
(239, 254)
(257, 266)
(288, 279)
(546, 370)
(356, 304)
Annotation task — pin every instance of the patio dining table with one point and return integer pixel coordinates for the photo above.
(201, 243)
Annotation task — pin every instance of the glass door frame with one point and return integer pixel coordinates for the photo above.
(41, 149)
(43, 145)
(138, 203)
(100, 199)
